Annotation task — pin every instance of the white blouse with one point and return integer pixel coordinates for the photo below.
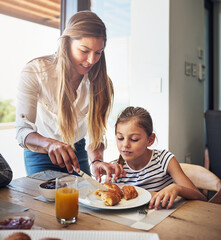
(36, 109)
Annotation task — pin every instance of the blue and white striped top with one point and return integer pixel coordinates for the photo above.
(153, 176)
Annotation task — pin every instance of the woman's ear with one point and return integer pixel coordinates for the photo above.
(151, 139)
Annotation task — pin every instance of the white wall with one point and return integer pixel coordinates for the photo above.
(170, 33)
(186, 127)
(150, 41)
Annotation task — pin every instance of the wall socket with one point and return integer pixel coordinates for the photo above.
(188, 158)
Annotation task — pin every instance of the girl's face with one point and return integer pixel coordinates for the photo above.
(86, 52)
(132, 141)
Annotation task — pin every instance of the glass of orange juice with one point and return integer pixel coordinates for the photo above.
(66, 199)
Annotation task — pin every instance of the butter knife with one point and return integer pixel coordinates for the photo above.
(92, 181)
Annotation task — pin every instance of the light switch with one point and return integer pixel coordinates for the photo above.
(188, 69)
(194, 69)
(200, 53)
(201, 72)
(156, 85)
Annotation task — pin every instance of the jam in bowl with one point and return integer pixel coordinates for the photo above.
(47, 190)
(23, 220)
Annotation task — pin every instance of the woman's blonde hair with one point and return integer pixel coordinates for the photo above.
(83, 24)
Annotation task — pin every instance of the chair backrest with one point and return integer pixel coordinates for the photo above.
(202, 178)
(213, 132)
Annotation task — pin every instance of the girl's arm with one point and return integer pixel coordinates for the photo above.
(182, 187)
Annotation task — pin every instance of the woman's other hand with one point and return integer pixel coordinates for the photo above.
(109, 169)
(165, 197)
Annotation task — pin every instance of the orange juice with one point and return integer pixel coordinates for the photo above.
(66, 201)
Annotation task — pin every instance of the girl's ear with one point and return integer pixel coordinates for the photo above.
(151, 139)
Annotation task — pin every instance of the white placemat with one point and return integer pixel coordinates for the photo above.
(47, 175)
(83, 235)
(130, 217)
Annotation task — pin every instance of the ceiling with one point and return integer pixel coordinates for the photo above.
(46, 12)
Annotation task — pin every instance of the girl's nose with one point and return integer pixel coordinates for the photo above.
(126, 143)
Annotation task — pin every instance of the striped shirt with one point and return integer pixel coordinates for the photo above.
(153, 176)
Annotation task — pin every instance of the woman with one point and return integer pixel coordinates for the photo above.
(64, 96)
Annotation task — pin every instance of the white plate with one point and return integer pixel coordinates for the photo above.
(87, 198)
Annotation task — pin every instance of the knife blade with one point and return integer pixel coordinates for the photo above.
(92, 181)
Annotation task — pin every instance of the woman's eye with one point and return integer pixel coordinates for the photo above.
(134, 140)
(120, 139)
(98, 53)
(84, 51)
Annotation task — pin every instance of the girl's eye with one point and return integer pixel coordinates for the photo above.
(98, 53)
(134, 140)
(84, 51)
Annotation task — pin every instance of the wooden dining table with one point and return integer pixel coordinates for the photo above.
(193, 220)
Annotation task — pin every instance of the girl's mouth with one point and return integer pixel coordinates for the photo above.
(126, 152)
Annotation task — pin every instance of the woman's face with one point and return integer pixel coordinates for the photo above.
(85, 53)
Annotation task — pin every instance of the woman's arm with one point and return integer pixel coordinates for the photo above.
(182, 187)
(60, 153)
(28, 95)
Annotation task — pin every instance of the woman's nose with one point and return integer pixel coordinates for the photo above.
(91, 58)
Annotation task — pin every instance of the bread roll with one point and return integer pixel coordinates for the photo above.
(109, 197)
(18, 236)
(114, 187)
(129, 192)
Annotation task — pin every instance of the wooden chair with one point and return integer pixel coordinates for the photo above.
(202, 178)
(213, 132)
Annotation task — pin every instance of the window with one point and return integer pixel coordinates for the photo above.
(20, 42)
(116, 16)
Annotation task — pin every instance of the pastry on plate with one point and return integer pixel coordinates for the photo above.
(114, 187)
(129, 192)
(109, 197)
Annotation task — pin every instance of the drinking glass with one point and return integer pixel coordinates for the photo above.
(66, 199)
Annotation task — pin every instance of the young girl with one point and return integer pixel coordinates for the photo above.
(154, 170)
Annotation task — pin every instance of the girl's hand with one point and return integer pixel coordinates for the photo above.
(63, 155)
(104, 168)
(166, 195)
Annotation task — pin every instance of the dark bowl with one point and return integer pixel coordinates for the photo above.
(47, 190)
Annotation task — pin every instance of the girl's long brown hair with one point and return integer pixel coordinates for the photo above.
(138, 114)
(83, 24)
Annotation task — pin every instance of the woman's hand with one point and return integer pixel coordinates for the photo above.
(104, 168)
(63, 155)
(166, 195)
(60, 153)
